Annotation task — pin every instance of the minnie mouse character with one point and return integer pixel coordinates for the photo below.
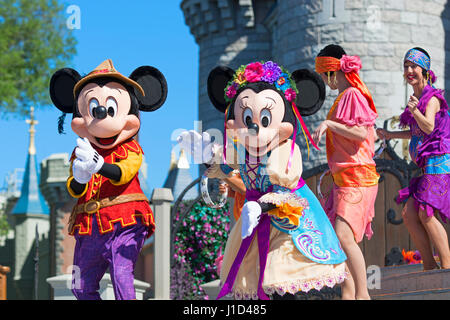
(104, 171)
(296, 248)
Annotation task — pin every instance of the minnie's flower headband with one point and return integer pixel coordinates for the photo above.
(271, 73)
(268, 72)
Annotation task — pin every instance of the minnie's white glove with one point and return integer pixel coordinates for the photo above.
(79, 174)
(251, 212)
(198, 145)
(91, 161)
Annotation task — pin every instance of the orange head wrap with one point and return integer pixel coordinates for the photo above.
(351, 66)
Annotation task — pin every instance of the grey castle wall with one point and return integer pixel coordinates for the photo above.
(292, 32)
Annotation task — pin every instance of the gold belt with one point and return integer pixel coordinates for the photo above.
(93, 206)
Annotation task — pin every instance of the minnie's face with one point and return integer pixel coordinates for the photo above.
(105, 118)
(258, 121)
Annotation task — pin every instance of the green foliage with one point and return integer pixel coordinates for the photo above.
(34, 42)
(201, 237)
(4, 226)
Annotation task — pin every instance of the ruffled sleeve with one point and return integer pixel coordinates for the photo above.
(278, 162)
(283, 181)
(353, 109)
(406, 118)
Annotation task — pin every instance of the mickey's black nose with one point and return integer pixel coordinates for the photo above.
(99, 112)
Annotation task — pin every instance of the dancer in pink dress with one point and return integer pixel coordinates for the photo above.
(350, 137)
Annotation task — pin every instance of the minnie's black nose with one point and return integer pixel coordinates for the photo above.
(253, 129)
(99, 112)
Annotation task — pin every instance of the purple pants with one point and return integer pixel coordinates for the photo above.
(117, 250)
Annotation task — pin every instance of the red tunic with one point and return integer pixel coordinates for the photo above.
(100, 187)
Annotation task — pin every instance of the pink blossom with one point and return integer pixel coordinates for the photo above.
(350, 64)
(218, 262)
(254, 71)
(231, 91)
(290, 94)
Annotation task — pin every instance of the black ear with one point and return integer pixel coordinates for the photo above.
(155, 87)
(311, 91)
(61, 89)
(217, 81)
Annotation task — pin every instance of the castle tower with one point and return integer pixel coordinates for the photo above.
(179, 177)
(292, 32)
(228, 33)
(30, 214)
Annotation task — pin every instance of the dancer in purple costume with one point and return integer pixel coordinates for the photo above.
(428, 118)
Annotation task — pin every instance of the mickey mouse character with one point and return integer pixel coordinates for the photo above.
(296, 248)
(112, 217)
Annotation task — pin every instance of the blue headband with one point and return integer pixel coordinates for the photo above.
(419, 58)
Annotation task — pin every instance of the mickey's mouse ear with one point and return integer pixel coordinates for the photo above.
(61, 89)
(154, 85)
(217, 81)
(311, 91)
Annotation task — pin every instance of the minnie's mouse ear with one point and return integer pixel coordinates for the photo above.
(217, 81)
(311, 91)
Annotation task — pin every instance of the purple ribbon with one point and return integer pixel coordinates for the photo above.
(263, 230)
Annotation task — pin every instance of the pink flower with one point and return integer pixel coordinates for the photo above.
(254, 71)
(231, 92)
(290, 94)
(218, 261)
(350, 64)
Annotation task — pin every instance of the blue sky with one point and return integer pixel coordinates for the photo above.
(132, 34)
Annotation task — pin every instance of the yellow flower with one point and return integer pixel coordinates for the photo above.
(284, 211)
(240, 78)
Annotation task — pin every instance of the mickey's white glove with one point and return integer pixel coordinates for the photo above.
(79, 174)
(198, 145)
(91, 161)
(251, 212)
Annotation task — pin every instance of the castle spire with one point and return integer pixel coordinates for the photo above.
(32, 122)
(31, 199)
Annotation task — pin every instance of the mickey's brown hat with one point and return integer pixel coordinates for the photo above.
(106, 69)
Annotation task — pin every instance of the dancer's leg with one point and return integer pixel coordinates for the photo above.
(418, 234)
(438, 236)
(355, 258)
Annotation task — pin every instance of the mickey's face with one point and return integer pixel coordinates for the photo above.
(258, 121)
(105, 118)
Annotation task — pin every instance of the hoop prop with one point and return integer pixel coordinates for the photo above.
(207, 198)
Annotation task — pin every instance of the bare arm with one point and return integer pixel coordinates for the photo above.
(357, 133)
(350, 132)
(425, 122)
(384, 134)
(236, 184)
